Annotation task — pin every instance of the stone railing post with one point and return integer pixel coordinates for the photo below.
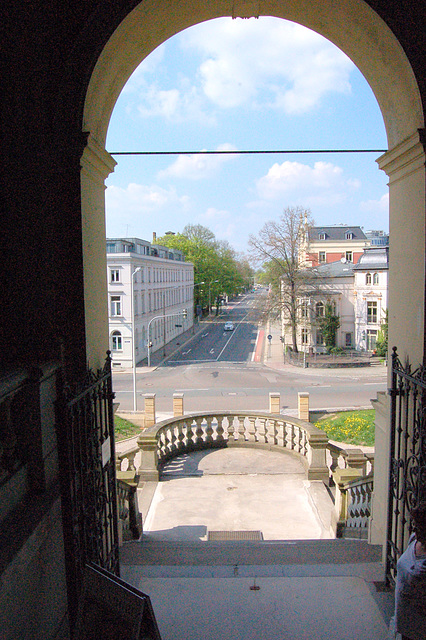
(177, 405)
(341, 477)
(149, 420)
(356, 459)
(148, 468)
(303, 405)
(274, 402)
(317, 456)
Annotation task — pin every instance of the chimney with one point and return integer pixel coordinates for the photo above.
(154, 238)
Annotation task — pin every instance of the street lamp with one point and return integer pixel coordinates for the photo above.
(210, 283)
(193, 323)
(163, 316)
(133, 335)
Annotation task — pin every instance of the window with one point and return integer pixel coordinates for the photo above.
(321, 256)
(116, 341)
(320, 339)
(368, 278)
(114, 275)
(348, 256)
(371, 339)
(115, 305)
(371, 312)
(348, 339)
(376, 278)
(319, 309)
(304, 336)
(304, 309)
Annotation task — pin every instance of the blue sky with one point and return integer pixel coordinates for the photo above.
(244, 84)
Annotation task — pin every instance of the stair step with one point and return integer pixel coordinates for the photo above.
(295, 552)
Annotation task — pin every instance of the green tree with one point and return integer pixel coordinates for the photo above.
(329, 323)
(382, 338)
(216, 264)
(278, 246)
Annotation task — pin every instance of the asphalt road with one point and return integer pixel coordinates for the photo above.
(216, 371)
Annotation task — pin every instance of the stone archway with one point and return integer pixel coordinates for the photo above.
(365, 38)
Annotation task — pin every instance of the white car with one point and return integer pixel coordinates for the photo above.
(228, 326)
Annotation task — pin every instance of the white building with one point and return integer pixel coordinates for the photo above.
(162, 305)
(371, 295)
(359, 297)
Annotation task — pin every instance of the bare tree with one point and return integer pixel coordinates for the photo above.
(278, 246)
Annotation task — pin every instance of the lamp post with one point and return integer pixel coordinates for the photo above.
(163, 316)
(193, 323)
(133, 336)
(210, 284)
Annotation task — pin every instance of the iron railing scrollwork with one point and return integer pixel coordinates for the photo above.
(407, 465)
(85, 420)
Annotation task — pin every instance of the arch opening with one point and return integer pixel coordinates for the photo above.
(365, 38)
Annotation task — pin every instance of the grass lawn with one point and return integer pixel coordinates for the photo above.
(350, 427)
(124, 429)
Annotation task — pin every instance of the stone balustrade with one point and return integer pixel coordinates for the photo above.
(212, 430)
(352, 502)
(340, 458)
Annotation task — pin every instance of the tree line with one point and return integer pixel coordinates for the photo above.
(219, 270)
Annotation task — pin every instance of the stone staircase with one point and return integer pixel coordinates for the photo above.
(269, 590)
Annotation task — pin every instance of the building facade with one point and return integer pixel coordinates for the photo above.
(329, 244)
(150, 298)
(371, 296)
(358, 295)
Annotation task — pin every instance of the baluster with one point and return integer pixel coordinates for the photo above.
(209, 430)
(199, 442)
(241, 429)
(162, 445)
(220, 429)
(274, 432)
(280, 431)
(231, 429)
(190, 440)
(251, 429)
(305, 444)
(131, 458)
(290, 436)
(180, 445)
(261, 432)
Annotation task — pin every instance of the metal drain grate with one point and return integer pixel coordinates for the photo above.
(234, 535)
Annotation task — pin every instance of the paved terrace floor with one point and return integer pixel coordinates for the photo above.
(296, 584)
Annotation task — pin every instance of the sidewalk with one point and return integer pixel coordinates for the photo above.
(274, 358)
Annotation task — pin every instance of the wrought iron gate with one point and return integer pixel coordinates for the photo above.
(87, 458)
(407, 473)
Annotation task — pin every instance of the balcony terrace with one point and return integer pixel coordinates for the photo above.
(239, 532)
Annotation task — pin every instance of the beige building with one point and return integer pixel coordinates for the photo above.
(162, 306)
(359, 295)
(329, 244)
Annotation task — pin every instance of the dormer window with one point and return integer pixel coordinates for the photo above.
(322, 236)
(349, 235)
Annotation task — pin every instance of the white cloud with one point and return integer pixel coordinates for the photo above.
(323, 182)
(198, 166)
(138, 199)
(376, 206)
(267, 62)
(174, 105)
